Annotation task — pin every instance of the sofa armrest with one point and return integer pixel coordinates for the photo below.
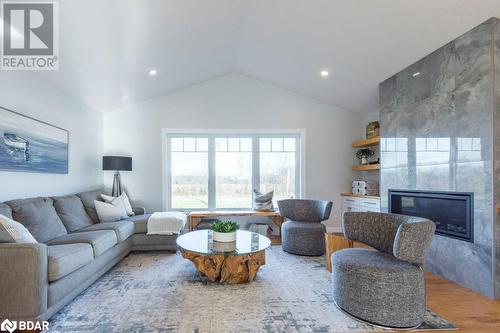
(23, 282)
(139, 210)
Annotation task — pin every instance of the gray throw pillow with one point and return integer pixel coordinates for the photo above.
(39, 217)
(88, 198)
(5, 210)
(72, 213)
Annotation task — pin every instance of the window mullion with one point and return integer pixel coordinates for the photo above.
(255, 163)
(298, 168)
(211, 173)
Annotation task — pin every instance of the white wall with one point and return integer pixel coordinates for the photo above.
(233, 102)
(25, 93)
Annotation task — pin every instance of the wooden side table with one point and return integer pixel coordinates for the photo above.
(335, 241)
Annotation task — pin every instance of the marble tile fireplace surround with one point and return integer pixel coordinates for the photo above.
(440, 132)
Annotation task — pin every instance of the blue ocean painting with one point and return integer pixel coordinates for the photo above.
(30, 145)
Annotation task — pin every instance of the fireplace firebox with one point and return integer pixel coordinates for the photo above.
(452, 212)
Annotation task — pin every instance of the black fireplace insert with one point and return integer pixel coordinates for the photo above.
(452, 212)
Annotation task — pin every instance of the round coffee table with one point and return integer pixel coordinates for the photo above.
(235, 262)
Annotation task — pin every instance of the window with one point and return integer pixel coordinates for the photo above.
(233, 172)
(211, 171)
(277, 166)
(189, 172)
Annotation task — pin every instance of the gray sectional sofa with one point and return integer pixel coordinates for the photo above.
(72, 252)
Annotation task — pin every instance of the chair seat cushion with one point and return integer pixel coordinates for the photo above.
(378, 288)
(101, 240)
(65, 259)
(141, 223)
(372, 262)
(303, 238)
(123, 229)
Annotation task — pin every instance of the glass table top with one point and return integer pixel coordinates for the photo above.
(201, 241)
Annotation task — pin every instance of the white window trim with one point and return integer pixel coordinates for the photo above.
(166, 132)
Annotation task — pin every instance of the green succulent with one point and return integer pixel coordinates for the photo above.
(224, 226)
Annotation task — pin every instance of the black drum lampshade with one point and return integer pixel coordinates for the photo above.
(117, 163)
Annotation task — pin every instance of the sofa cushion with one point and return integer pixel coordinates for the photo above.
(14, 232)
(5, 210)
(101, 240)
(72, 212)
(65, 259)
(88, 202)
(39, 217)
(141, 223)
(123, 229)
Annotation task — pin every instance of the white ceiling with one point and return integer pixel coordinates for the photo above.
(108, 46)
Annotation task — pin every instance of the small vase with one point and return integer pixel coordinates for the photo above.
(364, 160)
(224, 236)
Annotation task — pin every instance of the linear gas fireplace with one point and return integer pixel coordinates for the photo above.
(451, 211)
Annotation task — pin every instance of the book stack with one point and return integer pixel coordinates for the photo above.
(365, 187)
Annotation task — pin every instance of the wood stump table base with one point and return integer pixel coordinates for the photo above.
(232, 269)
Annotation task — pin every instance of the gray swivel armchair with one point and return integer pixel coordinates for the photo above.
(304, 234)
(384, 287)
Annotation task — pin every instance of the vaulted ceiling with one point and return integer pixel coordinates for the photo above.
(107, 47)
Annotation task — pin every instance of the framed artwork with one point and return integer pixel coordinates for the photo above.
(30, 145)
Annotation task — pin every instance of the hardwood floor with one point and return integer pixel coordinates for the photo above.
(470, 311)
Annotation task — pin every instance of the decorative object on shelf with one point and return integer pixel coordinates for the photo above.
(372, 129)
(375, 162)
(117, 163)
(224, 231)
(31, 145)
(364, 154)
(365, 187)
(263, 202)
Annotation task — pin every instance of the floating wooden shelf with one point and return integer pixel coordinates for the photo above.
(346, 194)
(366, 143)
(366, 167)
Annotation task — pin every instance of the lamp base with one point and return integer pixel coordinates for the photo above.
(117, 185)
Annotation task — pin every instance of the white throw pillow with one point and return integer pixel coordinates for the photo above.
(124, 198)
(110, 212)
(14, 232)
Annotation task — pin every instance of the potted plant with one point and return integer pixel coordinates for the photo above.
(364, 154)
(224, 231)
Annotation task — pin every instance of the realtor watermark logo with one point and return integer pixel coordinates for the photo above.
(8, 326)
(23, 325)
(30, 35)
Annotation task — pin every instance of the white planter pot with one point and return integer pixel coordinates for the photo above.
(224, 246)
(224, 236)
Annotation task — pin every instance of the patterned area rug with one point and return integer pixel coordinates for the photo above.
(162, 292)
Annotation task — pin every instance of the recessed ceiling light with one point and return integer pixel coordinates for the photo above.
(152, 72)
(324, 73)
(416, 74)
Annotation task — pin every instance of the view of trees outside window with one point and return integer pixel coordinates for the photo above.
(233, 172)
(189, 172)
(234, 163)
(277, 167)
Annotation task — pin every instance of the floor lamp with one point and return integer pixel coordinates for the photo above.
(117, 163)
